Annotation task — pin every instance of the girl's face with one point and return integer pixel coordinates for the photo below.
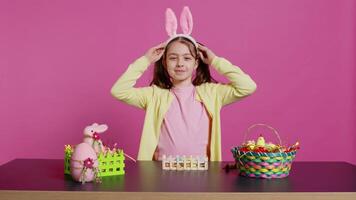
(180, 63)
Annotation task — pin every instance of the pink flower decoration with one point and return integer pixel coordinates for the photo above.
(96, 136)
(88, 163)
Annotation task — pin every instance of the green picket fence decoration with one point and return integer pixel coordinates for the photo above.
(110, 164)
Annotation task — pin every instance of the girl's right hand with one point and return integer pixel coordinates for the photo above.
(155, 53)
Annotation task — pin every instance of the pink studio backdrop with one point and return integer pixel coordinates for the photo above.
(59, 59)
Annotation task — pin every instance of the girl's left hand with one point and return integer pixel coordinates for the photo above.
(206, 54)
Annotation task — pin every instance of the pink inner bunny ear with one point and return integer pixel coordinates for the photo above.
(171, 22)
(186, 21)
(102, 128)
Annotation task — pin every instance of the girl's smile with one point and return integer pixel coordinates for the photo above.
(179, 70)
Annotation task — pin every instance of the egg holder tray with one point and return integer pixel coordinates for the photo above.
(109, 164)
(184, 163)
(263, 164)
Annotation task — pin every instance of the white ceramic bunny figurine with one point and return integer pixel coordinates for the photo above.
(92, 137)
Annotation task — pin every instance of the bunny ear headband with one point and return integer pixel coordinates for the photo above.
(186, 24)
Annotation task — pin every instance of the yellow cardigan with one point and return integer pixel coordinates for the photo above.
(156, 101)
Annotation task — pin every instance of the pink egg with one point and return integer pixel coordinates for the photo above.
(83, 155)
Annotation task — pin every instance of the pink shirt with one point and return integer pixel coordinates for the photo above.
(186, 125)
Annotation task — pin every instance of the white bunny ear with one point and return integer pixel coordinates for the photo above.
(186, 21)
(102, 128)
(171, 22)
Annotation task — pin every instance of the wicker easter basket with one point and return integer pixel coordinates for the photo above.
(263, 164)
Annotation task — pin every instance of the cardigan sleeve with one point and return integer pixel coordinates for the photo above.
(124, 89)
(240, 84)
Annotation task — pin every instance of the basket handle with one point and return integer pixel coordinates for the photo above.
(264, 125)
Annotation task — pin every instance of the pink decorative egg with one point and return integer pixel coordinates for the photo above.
(83, 157)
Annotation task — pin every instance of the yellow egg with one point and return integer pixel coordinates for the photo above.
(251, 147)
(260, 141)
(270, 146)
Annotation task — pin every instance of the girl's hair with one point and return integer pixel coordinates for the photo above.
(161, 77)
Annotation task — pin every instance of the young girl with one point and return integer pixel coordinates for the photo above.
(183, 102)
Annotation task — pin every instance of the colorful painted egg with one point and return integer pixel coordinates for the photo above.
(84, 163)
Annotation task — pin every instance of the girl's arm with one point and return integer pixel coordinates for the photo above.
(240, 84)
(124, 89)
